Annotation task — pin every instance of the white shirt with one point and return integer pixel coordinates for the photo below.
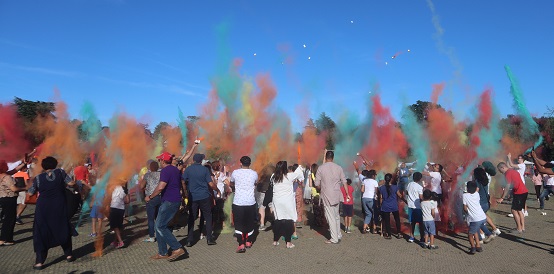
(426, 207)
(521, 170)
(369, 185)
(475, 212)
(221, 183)
(436, 180)
(414, 190)
(550, 181)
(245, 181)
(118, 196)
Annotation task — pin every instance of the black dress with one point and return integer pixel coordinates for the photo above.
(51, 226)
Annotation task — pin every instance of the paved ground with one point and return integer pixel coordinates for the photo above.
(531, 253)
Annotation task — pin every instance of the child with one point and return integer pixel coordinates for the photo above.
(96, 215)
(117, 212)
(429, 210)
(347, 206)
(414, 194)
(475, 216)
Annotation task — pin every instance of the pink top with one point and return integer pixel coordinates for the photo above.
(537, 180)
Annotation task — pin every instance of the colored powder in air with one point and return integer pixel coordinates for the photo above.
(91, 124)
(13, 144)
(530, 129)
(416, 136)
(183, 126)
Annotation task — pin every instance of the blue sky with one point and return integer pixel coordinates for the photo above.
(148, 58)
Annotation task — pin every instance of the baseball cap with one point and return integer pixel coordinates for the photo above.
(197, 158)
(165, 156)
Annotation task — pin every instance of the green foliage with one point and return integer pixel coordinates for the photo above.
(158, 129)
(325, 124)
(420, 109)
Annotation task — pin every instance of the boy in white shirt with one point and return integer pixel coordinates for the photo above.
(475, 216)
(429, 210)
(413, 197)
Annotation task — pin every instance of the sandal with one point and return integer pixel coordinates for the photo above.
(290, 246)
(7, 243)
(70, 259)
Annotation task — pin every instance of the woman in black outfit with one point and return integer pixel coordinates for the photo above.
(51, 226)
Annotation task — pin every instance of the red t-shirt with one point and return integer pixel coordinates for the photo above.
(350, 191)
(81, 173)
(514, 178)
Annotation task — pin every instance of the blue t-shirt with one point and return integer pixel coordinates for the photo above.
(197, 177)
(172, 191)
(390, 203)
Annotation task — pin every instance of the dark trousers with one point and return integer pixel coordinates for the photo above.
(283, 228)
(244, 219)
(67, 251)
(386, 221)
(205, 206)
(538, 190)
(9, 209)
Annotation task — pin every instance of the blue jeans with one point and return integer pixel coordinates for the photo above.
(367, 203)
(164, 235)
(547, 190)
(151, 212)
(474, 227)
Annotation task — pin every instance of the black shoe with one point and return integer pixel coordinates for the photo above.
(189, 244)
(38, 267)
(211, 242)
(18, 221)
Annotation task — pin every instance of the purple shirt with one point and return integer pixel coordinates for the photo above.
(172, 191)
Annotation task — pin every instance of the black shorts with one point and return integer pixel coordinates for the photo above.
(116, 217)
(518, 202)
(347, 210)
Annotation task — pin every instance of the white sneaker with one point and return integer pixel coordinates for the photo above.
(525, 213)
(510, 215)
(497, 232)
(489, 239)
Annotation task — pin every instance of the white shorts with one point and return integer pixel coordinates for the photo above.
(21, 197)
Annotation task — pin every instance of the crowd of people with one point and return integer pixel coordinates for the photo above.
(278, 194)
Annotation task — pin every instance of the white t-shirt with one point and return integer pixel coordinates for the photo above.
(245, 181)
(521, 170)
(436, 180)
(414, 190)
(118, 196)
(369, 185)
(475, 212)
(550, 181)
(221, 183)
(426, 207)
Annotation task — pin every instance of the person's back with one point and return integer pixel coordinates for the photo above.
(331, 177)
(245, 180)
(414, 190)
(198, 177)
(389, 202)
(475, 211)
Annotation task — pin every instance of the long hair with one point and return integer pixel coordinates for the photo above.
(313, 169)
(388, 178)
(281, 169)
(480, 175)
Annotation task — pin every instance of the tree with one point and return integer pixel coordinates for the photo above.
(325, 124)
(29, 110)
(158, 129)
(420, 109)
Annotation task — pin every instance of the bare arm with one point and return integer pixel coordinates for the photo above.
(509, 162)
(540, 165)
(187, 156)
(161, 186)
